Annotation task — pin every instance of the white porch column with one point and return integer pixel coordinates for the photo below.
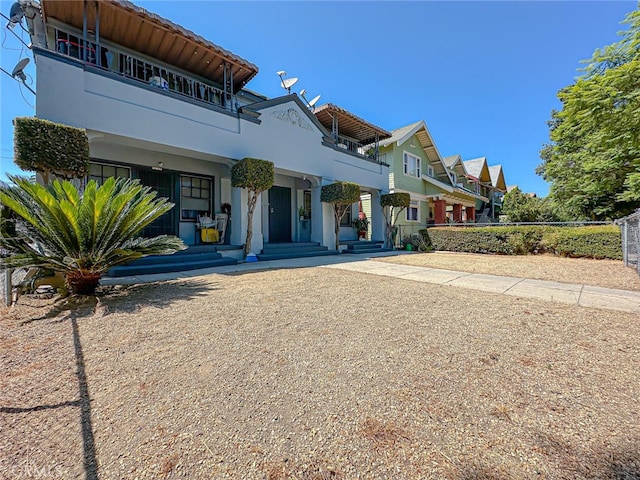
(238, 215)
(378, 226)
(316, 216)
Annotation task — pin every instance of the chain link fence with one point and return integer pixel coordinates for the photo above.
(630, 231)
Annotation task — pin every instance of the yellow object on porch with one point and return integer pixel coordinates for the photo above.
(209, 235)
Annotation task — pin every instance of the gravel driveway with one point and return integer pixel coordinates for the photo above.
(317, 374)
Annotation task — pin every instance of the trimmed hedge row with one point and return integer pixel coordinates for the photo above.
(592, 242)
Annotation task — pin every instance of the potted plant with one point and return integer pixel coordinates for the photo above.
(302, 213)
(361, 225)
(407, 242)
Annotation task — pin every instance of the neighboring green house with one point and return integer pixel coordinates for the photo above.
(439, 193)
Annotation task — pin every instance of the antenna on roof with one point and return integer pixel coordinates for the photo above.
(286, 83)
(310, 103)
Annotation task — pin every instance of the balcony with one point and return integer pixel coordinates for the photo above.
(367, 151)
(119, 62)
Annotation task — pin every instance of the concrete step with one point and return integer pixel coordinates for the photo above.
(269, 246)
(191, 257)
(364, 245)
(275, 250)
(294, 254)
(366, 250)
(176, 265)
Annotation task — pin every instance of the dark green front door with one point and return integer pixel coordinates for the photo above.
(164, 184)
(279, 214)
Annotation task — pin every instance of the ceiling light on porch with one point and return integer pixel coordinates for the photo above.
(158, 167)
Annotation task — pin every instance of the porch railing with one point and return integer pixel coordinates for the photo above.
(130, 66)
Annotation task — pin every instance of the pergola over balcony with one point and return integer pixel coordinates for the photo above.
(350, 131)
(135, 28)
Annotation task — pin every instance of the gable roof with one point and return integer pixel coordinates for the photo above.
(497, 177)
(293, 97)
(136, 28)
(420, 130)
(478, 168)
(349, 124)
(452, 160)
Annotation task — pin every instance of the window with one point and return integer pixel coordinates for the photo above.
(195, 197)
(454, 178)
(430, 171)
(346, 219)
(412, 211)
(307, 204)
(100, 172)
(411, 165)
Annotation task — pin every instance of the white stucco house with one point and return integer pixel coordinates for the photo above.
(166, 106)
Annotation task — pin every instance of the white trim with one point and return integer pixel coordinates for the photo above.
(430, 171)
(437, 183)
(406, 219)
(418, 165)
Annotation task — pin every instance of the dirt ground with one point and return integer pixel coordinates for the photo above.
(316, 374)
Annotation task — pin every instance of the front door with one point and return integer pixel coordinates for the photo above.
(163, 183)
(279, 214)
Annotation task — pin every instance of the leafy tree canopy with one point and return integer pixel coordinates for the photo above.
(593, 159)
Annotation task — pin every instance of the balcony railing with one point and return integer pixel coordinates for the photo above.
(135, 68)
(367, 151)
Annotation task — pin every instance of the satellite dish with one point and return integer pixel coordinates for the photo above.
(286, 83)
(16, 13)
(18, 69)
(313, 101)
(18, 73)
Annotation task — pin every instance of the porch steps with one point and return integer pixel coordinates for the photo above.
(193, 258)
(280, 251)
(361, 246)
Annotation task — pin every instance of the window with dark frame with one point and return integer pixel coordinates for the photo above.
(195, 197)
(346, 219)
(101, 171)
(412, 211)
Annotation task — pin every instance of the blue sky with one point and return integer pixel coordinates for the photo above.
(483, 75)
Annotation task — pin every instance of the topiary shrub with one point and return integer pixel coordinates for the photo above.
(392, 204)
(256, 176)
(340, 195)
(591, 242)
(50, 148)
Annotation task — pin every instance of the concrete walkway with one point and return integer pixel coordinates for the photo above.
(569, 293)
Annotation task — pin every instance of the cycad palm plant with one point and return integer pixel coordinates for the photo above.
(82, 235)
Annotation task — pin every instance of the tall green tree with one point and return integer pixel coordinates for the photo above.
(593, 159)
(82, 235)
